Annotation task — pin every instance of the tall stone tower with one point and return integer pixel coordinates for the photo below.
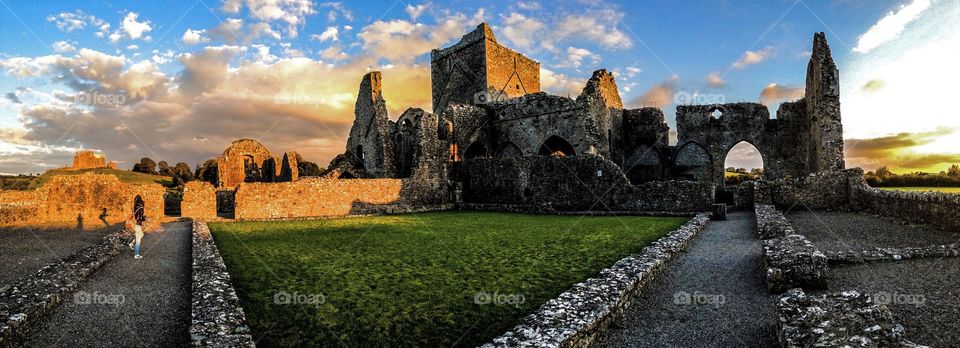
(478, 69)
(823, 109)
(369, 141)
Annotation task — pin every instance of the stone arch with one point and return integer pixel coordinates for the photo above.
(556, 146)
(233, 165)
(643, 165)
(693, 162)
(475, 150)
(726, 154)
(509, 150)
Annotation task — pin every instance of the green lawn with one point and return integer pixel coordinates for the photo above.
(937, 189)
(414, 280)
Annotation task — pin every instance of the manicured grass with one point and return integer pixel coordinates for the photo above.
(124, 176)
(413, 280)
(936, 189)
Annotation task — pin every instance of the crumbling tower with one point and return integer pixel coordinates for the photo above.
(478, 70)
(369, 145)
(823, 109)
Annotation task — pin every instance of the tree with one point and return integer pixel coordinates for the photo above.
(165, 169)
(883, 172)
(146, 166)
(954, 171)
(207, 172)
(182, 174)
(307, 168)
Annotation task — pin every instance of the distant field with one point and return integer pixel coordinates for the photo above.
(920, 189)
(124, 176)
(417, 280)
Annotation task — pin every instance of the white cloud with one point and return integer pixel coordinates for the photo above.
(329, 34)
(521, 30)
(77, 20)
(63, 46)
(292, 12)
(598, 26)
(416, 11)
(560, 84)
(575, 57)
(715, 80)
(133, 28)
(890, 26)
(528, 5)
(774, 93)
(660, 95)
(753, 57)
(194, 37)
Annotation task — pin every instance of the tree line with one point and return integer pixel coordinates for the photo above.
(883, 177)
(181, 173)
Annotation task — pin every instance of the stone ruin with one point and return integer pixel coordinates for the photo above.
(87, 159)
(247, 160)
(488, 111)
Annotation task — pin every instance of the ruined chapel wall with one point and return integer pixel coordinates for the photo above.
(199, 200)
(230, 165)
(530, 120)
(314, 197)
(510, 72)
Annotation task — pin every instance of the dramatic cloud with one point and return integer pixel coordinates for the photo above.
(753, 57)
(560, 84)
(899, 151)
(291, 12)
(774, 93)
(402, 41)
(660, 95)
(598, 25)
(715, 80)
(520, 30)
(132, 28)
(890, 27)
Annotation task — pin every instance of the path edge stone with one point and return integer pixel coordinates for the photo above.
(578, 314)
(217, 320)
(30, 298)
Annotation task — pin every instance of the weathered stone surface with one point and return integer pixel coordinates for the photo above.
(893, 254)
(199, 200)
(86, 159)
(844, 319)
(571, 319)
(79, 199)
(246, 160)
(217, 318)
(792, 261)
(27, 300)
(771, 223)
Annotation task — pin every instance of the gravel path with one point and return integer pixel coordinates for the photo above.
(24, 250)
(838, 231)
(923, 292)
(724, 261)
(153, 292)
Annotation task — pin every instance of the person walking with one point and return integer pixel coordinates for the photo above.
(138, 219)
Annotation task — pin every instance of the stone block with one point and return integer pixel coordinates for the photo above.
(792, 261)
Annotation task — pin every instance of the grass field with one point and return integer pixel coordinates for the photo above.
(936, 189)
(124, 176)
(416, 280)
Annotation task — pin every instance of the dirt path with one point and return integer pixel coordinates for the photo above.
(722, 271)
(128, 302)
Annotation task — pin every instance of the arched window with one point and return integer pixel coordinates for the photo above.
(556, 147)
(743, 162)
(475, 150)
(644, 165)
(693, 162)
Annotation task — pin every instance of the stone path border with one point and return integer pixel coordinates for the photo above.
(32, 297)
(217, 320)
(571, 319)
(893, 254)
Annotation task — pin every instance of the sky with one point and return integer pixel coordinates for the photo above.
(179, 80)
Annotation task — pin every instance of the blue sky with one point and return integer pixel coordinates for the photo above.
(177, 80)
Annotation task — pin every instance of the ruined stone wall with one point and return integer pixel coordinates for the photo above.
(576, 184)
(65, 197)
(369, 147)
(89, 159)
(458, 72)
(820, 191)
(313, 197)
(822, 99)
(529, 121)
(231, 170)
(510, 74)
(199, 200)
(934, 208)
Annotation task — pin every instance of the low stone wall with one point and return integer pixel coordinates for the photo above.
(893, 254)
(820, 191)
(217, 320)
(572, 319)
(845, 319)
(932, 208)
(771, 223)
(576, 184)
(199, 200)
(792, 261)
(22, 303)
(74, 198)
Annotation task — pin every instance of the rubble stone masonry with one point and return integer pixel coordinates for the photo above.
(199, 200)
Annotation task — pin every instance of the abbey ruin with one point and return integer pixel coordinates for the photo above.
(492, 129)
